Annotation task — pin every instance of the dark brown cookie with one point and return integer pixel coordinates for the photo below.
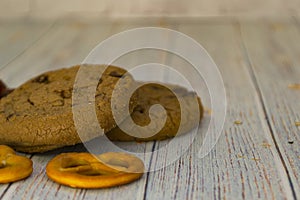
(4, 90)
(37, 116)
(151, 94)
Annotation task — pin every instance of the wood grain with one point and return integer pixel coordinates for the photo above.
(250, 160)
(54, 50)
(16, 37)
(274, 58)
(244, 164)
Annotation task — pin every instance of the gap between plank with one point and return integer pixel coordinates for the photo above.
(281, 166)
(148, 173)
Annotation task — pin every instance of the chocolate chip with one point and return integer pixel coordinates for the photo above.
(3, 94)
(115, 74)
(155, 87)
(2, 87)
(100, 81)
(139, 109)
(30, 102)
(66, 94)
(9, 117)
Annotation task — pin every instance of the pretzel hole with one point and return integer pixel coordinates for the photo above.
(72, 163)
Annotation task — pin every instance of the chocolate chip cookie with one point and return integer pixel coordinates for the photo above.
(151, 94)
(37, 116)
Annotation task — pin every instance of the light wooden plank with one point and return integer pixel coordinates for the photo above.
(53, 51)
(16, 37)
(67, 44)
(244, 164)
(275, 60)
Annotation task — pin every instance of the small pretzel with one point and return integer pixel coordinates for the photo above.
(13, 167)
(85, 170)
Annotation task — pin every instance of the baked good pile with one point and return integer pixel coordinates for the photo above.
(37, 117)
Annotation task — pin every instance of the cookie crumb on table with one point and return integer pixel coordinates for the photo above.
(294, 86)
(238, 122)
(208, 111)
(266, 145)
(240, 156)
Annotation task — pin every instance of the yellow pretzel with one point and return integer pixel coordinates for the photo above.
(84, 170)
(12, 166)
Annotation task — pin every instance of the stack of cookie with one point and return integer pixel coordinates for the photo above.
(38, 117)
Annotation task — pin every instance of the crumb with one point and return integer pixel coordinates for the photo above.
(240, 156)
(238, 122)
(208, 111)
(294, 86)
(266, 145)
(255, 159)
(297, 123)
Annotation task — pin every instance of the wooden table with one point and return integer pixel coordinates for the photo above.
(258, 60)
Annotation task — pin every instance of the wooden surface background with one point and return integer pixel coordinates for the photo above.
(258, 60)
(53, 9)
